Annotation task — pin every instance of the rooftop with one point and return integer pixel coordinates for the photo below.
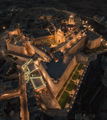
(56, 69)
(92, 35)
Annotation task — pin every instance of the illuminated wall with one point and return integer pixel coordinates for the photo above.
(59, 36)
(67, 44)
(94, 44)
(77, 46)
(16, 48)
(46, 57)
(55, 88)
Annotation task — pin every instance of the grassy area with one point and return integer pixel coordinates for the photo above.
(9, 56)
(63, 99)
(70, 86)
(66, 82)
(88, 51)
(75, 76)
(99, 49)
(11, 72)
(80, 67)
(14, 58)
(14, 64)
(59, 92)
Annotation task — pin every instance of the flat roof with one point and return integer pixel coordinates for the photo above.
(92, 35)
(56, 69)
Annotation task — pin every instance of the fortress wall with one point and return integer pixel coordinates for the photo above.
(47, 78)
(55, 88)
(94, 44)
(76, 47)
(65, 75)
(16, 48)
(39, 52)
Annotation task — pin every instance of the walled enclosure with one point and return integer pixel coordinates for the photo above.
(55, 88)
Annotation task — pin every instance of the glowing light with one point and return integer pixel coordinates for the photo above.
(4, 27)
(101, 39)
(89, 26)
(73, 23)
(86, 22)
(92, 29)
(106, 43)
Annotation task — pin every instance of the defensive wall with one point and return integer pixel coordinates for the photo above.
(55, 88)
(91, 44)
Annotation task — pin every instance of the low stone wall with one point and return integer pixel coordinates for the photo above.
(77, 46)
(94, 44)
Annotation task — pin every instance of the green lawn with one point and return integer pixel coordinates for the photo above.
(80, 67)
(11, 72)
(75, 76)
(14, 58)
(59, 93)
(63, 99)
(70, 86)
(66, 82)
(9, 56)
(14, 64)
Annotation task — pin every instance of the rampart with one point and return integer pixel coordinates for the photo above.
(94, 44)
(55, 88)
